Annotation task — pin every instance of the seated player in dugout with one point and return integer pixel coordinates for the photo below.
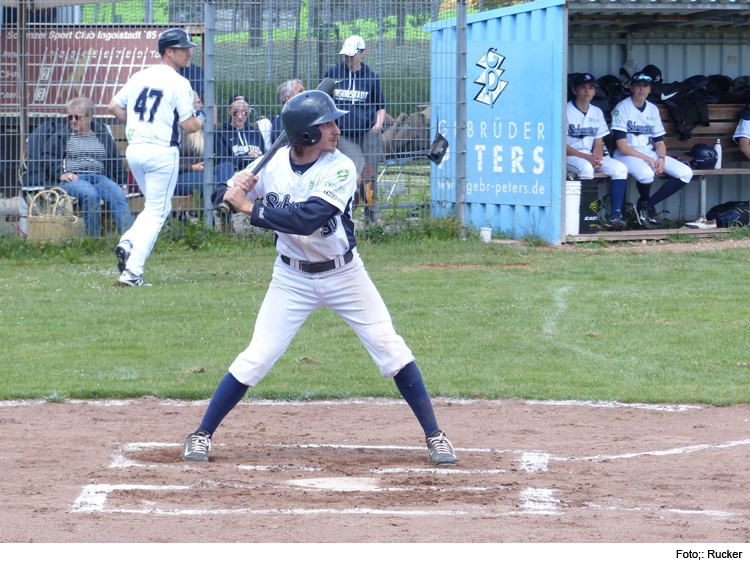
(586, 154)
(742, 133)
(318, 266)
(639, 138)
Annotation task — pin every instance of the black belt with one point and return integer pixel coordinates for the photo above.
(317, 267)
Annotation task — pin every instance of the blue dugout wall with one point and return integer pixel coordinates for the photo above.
(515, 97)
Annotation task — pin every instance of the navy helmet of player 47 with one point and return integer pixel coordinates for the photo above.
(174, 38)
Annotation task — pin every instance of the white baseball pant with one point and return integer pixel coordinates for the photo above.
(155, 168)
(643, 173)
(293, 295)
(585, 170)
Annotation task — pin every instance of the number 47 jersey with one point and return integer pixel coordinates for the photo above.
(158, 99)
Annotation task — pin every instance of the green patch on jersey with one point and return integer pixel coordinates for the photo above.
(343, 174)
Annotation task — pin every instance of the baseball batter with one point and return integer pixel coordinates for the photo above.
(639, 136)
(742, 133)
(307, 192)
(152, 104)
(586, 130)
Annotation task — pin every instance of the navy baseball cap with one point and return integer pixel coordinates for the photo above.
(581, 78)
(641, 77)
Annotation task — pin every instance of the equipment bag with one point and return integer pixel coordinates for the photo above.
(728, 214)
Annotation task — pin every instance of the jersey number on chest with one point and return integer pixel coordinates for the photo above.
(142, 103)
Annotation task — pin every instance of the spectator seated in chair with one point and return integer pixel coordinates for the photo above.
(237, 141)
(80, 156)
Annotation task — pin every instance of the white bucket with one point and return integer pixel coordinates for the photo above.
(486, 233)
(572, 207)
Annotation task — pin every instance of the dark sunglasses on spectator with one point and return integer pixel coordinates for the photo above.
(76, 117)
(641, 77)
(239, 98)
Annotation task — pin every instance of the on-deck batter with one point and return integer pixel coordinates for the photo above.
(308, 194)
(152, 103)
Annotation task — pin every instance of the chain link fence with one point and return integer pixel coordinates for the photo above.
(60, 67)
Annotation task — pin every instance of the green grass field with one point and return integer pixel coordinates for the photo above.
(492, 321)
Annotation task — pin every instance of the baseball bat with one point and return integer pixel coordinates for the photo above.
(326, 86)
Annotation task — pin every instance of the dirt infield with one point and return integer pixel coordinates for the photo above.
(339, 471)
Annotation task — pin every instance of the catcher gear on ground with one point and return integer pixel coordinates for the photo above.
(174, 38)
(303, 112)
(704, 157)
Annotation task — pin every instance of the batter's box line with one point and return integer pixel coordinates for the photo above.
(678, 511)
(365, 401)
(93, 499)
(537, 461)
(120, 460)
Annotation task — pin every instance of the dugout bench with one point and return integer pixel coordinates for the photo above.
(723, 119)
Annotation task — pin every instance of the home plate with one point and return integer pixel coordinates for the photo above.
(337, 484)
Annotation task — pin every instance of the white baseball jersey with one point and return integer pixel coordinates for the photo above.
(157, 99)
(293, 294)
(584, 128)
(742, 131)
(640, 126)
(333, 179)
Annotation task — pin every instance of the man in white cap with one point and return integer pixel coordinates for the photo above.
(358, 92)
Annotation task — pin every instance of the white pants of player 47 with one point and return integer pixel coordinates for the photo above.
(585, 170)
(155, 169)
(294, 295)
(643, 173)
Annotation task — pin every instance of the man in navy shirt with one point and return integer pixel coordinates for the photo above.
(358, 92)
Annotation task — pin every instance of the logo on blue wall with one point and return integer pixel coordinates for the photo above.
(489, 79)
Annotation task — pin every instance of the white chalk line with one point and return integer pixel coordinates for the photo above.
(432, 471)
(669, 452)
(560, 306)
(680, 511)
(530, 461)
(93, 499)
(535, 502)
(120, 460)
(615, 404)
(351, 402)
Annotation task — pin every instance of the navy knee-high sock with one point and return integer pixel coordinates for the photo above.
(411, 385)
(643, 189)
(665, 191)
(616, 195)
(229, 392)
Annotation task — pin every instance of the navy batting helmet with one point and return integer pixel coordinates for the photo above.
(304, 112)
(174, 38)
(704, 157)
